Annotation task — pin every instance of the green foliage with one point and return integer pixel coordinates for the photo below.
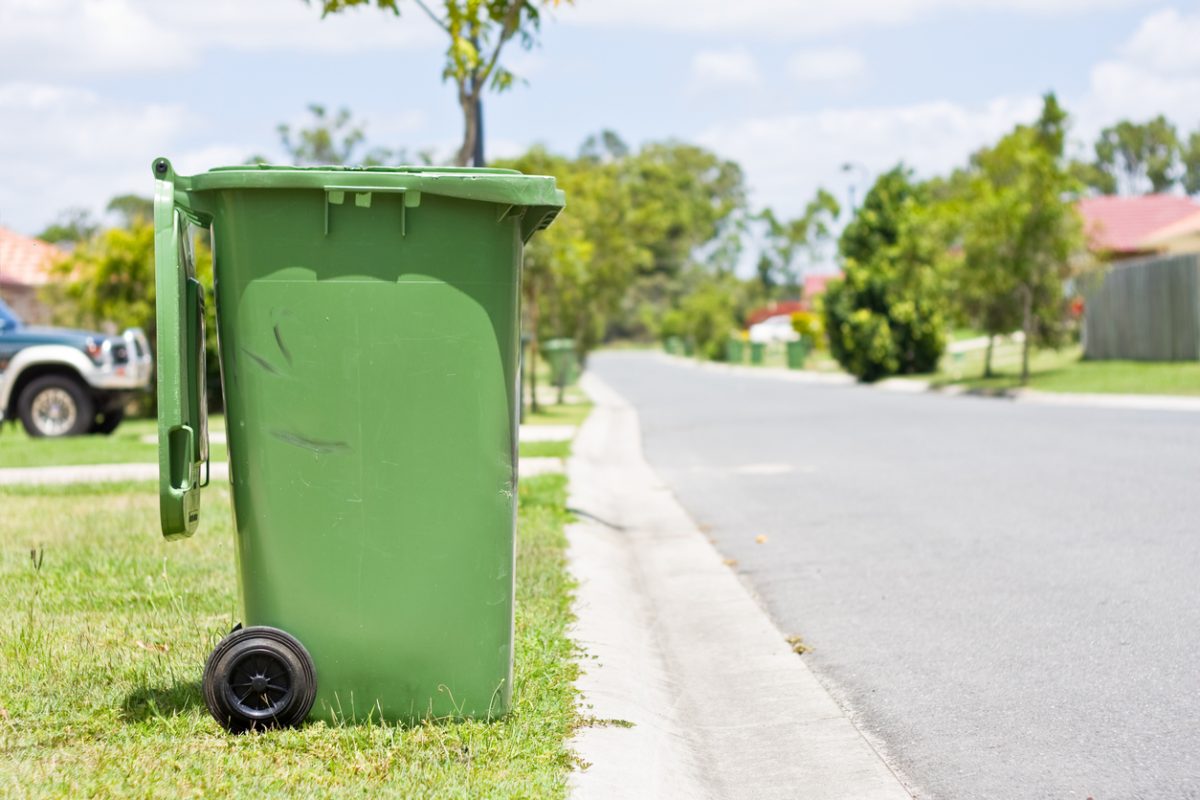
(1138, 157)
(73, 225)
(477, 31)
(131, 208)
(709, 314)
(1020, 234)
(809, 325)
(886, 316)
(1191, 164)
(617, 256)
(332, 139)
(787, 242)
(109, 279)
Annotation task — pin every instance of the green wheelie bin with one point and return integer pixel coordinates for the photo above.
(757, 351)
(797, 352)
(368, 330)
(564, 363)
(734, 350)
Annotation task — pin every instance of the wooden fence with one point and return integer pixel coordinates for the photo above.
(1145, 310)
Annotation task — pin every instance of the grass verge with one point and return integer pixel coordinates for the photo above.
(559, 449)
(1065, 371)
(104, 629)
(125, 445)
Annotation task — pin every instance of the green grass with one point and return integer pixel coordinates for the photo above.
(102, 649)
(545, 449)
(566, 414)
(124, 446)
(1065, 371)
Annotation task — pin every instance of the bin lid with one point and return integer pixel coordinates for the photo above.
(486, 184)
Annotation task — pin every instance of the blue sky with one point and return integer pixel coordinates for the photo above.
(92, 90)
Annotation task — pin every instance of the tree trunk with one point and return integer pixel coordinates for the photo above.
(1027, 329)
(468, 101)
(987, 358)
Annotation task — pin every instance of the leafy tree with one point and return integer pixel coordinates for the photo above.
(886, 316)
(1021, 232)
(709, 313)
(131, 208)
(109, 280)
(1138, 157)
(478, 31)
(330, 139)
(1191, 164)
(72, 226)
(787, 243)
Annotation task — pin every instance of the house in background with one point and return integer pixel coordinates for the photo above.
(1146, 305)
(25, 265)
(814, 286)
(1120, 228)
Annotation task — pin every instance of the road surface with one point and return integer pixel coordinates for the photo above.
(1006, 597)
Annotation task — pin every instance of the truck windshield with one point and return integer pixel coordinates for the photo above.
(8, 319)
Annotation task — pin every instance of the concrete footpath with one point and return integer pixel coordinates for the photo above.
(719, 704)
(111, 473)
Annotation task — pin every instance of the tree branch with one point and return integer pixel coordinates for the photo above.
(436, 19)
(512, 21)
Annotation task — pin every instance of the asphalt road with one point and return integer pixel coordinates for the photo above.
(1005, 596)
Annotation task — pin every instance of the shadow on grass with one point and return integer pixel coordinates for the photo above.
(156, 702)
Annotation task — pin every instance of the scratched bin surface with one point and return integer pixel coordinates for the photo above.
(368, 323)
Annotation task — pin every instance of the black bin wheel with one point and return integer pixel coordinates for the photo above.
(258, 678)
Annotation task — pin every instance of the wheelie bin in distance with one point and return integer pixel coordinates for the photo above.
(564, 363)
(367, 322)
(734, 350)
(797, 352)
(757, 351)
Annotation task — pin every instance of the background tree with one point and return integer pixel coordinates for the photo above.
(886, 316)
(1137, 158)
(786, 244)
(1191, 164)
(71, 227)
(1021, 233)
(108, 281)
(478, 31)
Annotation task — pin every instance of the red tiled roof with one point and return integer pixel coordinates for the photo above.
(1124, 224)
(25, 261)
(813, 285)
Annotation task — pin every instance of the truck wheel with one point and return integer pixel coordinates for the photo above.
(55, 405)
(109, 421)
(259, 678)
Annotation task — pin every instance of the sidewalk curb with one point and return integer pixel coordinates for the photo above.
(720, 705)
(1133, 402)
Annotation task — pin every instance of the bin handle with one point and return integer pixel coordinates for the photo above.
(182, 436)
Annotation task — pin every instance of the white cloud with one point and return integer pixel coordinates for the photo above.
(70, 147)
(724, 69)
(82, 37)
(827, 65)
(1166, 42)
(787, 157)
(785, 18)
(1157, 72)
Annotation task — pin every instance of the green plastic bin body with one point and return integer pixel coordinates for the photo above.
(673, 345)
(757, 351)
(369, 348)
(797, 353)
(564, 363)
(734, 350)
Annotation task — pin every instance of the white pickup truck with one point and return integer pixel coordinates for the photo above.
(64, 382)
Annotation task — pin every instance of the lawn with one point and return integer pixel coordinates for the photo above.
(104, 629)
(124, 446)
(1065, 371)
